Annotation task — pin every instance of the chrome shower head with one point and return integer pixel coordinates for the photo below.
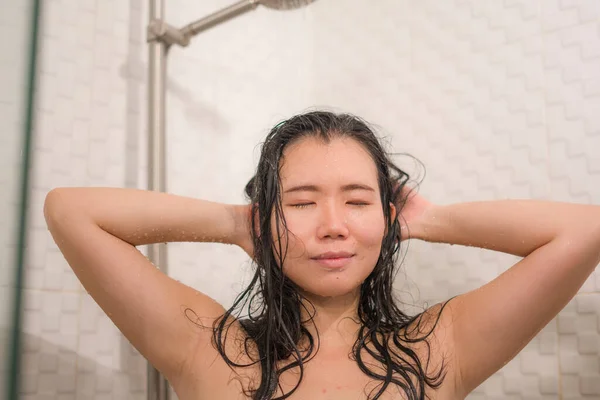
(187, 32)
(284, 4)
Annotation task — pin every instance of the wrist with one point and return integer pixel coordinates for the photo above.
(241, 225)
(235, 214)
(427, 226)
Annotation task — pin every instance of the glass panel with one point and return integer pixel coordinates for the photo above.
(17, 54)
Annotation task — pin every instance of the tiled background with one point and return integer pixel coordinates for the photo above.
(498, 99)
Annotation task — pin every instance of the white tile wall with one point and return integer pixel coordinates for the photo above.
(498, 99)
(87, 125)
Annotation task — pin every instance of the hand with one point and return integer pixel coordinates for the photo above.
(412, 207)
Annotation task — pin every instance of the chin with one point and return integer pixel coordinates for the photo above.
(331, 288)
(334, 283)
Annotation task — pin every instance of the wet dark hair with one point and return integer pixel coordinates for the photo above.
(275, 328)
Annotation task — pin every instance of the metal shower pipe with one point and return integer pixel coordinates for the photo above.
(157, 386)
(160, 37)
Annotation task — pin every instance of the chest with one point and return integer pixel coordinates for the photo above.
(336, 379)
(324, 378)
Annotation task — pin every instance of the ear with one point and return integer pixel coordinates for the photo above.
(392, 215)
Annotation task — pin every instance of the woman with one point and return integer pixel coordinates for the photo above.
(328, 212)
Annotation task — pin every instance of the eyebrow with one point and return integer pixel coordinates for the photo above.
(314, 188)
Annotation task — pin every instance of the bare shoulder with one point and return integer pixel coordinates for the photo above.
(222, 371)
(430, 335)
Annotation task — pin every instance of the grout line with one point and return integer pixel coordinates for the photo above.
(75, 291)
(587, 293)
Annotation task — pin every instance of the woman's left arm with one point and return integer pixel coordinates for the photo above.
(560, 243)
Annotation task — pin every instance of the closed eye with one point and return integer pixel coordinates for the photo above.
(352, 203)
(302, 205)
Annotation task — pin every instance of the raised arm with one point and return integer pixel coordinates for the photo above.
(490, 325)
(97, 228)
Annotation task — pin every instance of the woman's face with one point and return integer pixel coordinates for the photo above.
(332, 206)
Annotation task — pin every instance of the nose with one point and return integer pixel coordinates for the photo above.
(332, 223)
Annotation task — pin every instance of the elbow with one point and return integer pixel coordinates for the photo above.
(54, 205)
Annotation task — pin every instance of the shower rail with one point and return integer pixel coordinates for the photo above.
(160, 37)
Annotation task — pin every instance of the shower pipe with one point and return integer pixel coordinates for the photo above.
(160, 37)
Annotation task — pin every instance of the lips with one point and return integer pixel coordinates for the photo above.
(334, 260)
(333, 255)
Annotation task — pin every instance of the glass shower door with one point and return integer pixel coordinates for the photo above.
(18, 29)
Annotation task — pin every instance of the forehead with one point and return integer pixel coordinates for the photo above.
(312, 159)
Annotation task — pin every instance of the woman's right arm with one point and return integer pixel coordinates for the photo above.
(97, 230)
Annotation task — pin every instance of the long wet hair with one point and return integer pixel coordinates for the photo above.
(273, 303)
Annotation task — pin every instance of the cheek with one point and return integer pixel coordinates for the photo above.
(368, 228)
(369, 242)
(293, 238)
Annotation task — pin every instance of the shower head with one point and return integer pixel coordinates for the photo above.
(284, 4)
(234, 10)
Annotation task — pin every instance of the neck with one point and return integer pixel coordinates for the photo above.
(335, 319)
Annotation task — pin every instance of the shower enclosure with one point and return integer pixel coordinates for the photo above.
(161, 36)
(18, 21)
